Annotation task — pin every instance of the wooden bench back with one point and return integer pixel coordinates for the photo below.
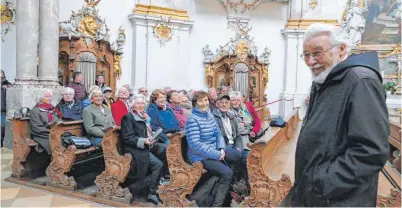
(74, 127)
(395, 135)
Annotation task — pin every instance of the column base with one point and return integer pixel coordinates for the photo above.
(26, 81)
(28, 96)
(48, 82)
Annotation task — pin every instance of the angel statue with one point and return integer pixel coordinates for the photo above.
(208, 55)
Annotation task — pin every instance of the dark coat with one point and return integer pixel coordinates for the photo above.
(40, 128)
(343, 142)
(133, 134)
(74, 113)
(4, 82)
(237, 139)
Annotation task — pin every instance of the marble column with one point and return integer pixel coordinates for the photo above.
(49, 42)
(27, 16)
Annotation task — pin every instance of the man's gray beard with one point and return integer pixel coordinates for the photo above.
(321, 77)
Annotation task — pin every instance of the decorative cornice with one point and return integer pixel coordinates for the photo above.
(161, 11)
(305, 23)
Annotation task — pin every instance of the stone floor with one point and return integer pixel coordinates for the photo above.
(13, 195)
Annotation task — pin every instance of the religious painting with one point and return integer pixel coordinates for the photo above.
(383, 23)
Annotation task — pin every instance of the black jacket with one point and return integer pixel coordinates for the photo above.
(4, 82)
(343, 143)
(133, 134)
(237, 139)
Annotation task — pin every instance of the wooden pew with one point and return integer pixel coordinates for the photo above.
(264, 160)
(388, 194)
(22, 144)
(395, 141)
(63, 158)
(183, 177)
(116, 170)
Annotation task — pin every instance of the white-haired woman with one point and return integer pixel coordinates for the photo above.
(41, 115)
(120, 107)
(97, 118)
(70, 108)
(87, 101)
(136, 134)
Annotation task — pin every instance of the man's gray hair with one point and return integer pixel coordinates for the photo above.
(333, 32)
(67, 90)
(235, 94)
(136, 98)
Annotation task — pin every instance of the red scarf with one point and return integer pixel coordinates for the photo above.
(49, 108)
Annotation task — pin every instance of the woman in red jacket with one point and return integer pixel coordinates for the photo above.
(120, 107)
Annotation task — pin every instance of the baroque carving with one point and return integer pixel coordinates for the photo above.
(116, 65)
(21, 146)
(394, 200)
(7, 18)
(353, 22)
(266, 192)
(116, 170)
(183, 177)
(163, 31)
(313, 4)
(62, 160)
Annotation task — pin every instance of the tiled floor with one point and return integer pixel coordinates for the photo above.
(13, 195)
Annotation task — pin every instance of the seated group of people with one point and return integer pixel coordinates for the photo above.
(217, 128)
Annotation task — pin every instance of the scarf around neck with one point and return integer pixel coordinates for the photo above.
(49, 108)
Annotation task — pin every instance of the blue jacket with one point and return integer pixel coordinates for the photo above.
(164, 119)
(74, 113)
(203, 136)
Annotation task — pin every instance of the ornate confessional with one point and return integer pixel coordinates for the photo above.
(85, 47)
(237, 66)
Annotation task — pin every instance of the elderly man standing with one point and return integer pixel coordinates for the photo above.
(343, 142)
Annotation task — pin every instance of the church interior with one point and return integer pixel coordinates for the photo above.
(249, 46)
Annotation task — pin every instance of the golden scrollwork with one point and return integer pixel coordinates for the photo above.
(88, 26)
(265, 74)
(7, 14)
(395, 51)
(208, 73)
(163, 32)
(242, 50)
(313, 4)
(117, 65)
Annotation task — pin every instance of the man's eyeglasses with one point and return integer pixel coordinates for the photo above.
(317, 54)
(143, 91)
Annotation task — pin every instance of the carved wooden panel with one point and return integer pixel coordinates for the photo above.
(102, 51)
(394, 200)
(21, 145)
(265, 191)
(183, 177)
(62, 158)
(116, 170)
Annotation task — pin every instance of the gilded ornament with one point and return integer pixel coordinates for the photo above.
(313, 4)
(88, 26)
(6, 14)
(7, 18)
(163, 32)
(116, 65)
(208, 73)
(396, 50)
(242, 50)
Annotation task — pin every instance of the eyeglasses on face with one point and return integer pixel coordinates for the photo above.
(316, 54)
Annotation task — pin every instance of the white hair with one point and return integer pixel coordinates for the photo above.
(120, 89)
(235, 94)
(67, 90)
(94, 87)
(333, 32)
(136, 98)
(94, 92)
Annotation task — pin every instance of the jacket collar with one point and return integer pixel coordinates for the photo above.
(219, 114)
(136, 117)
(199, 113)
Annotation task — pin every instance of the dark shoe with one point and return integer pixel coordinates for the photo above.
(154, 199)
